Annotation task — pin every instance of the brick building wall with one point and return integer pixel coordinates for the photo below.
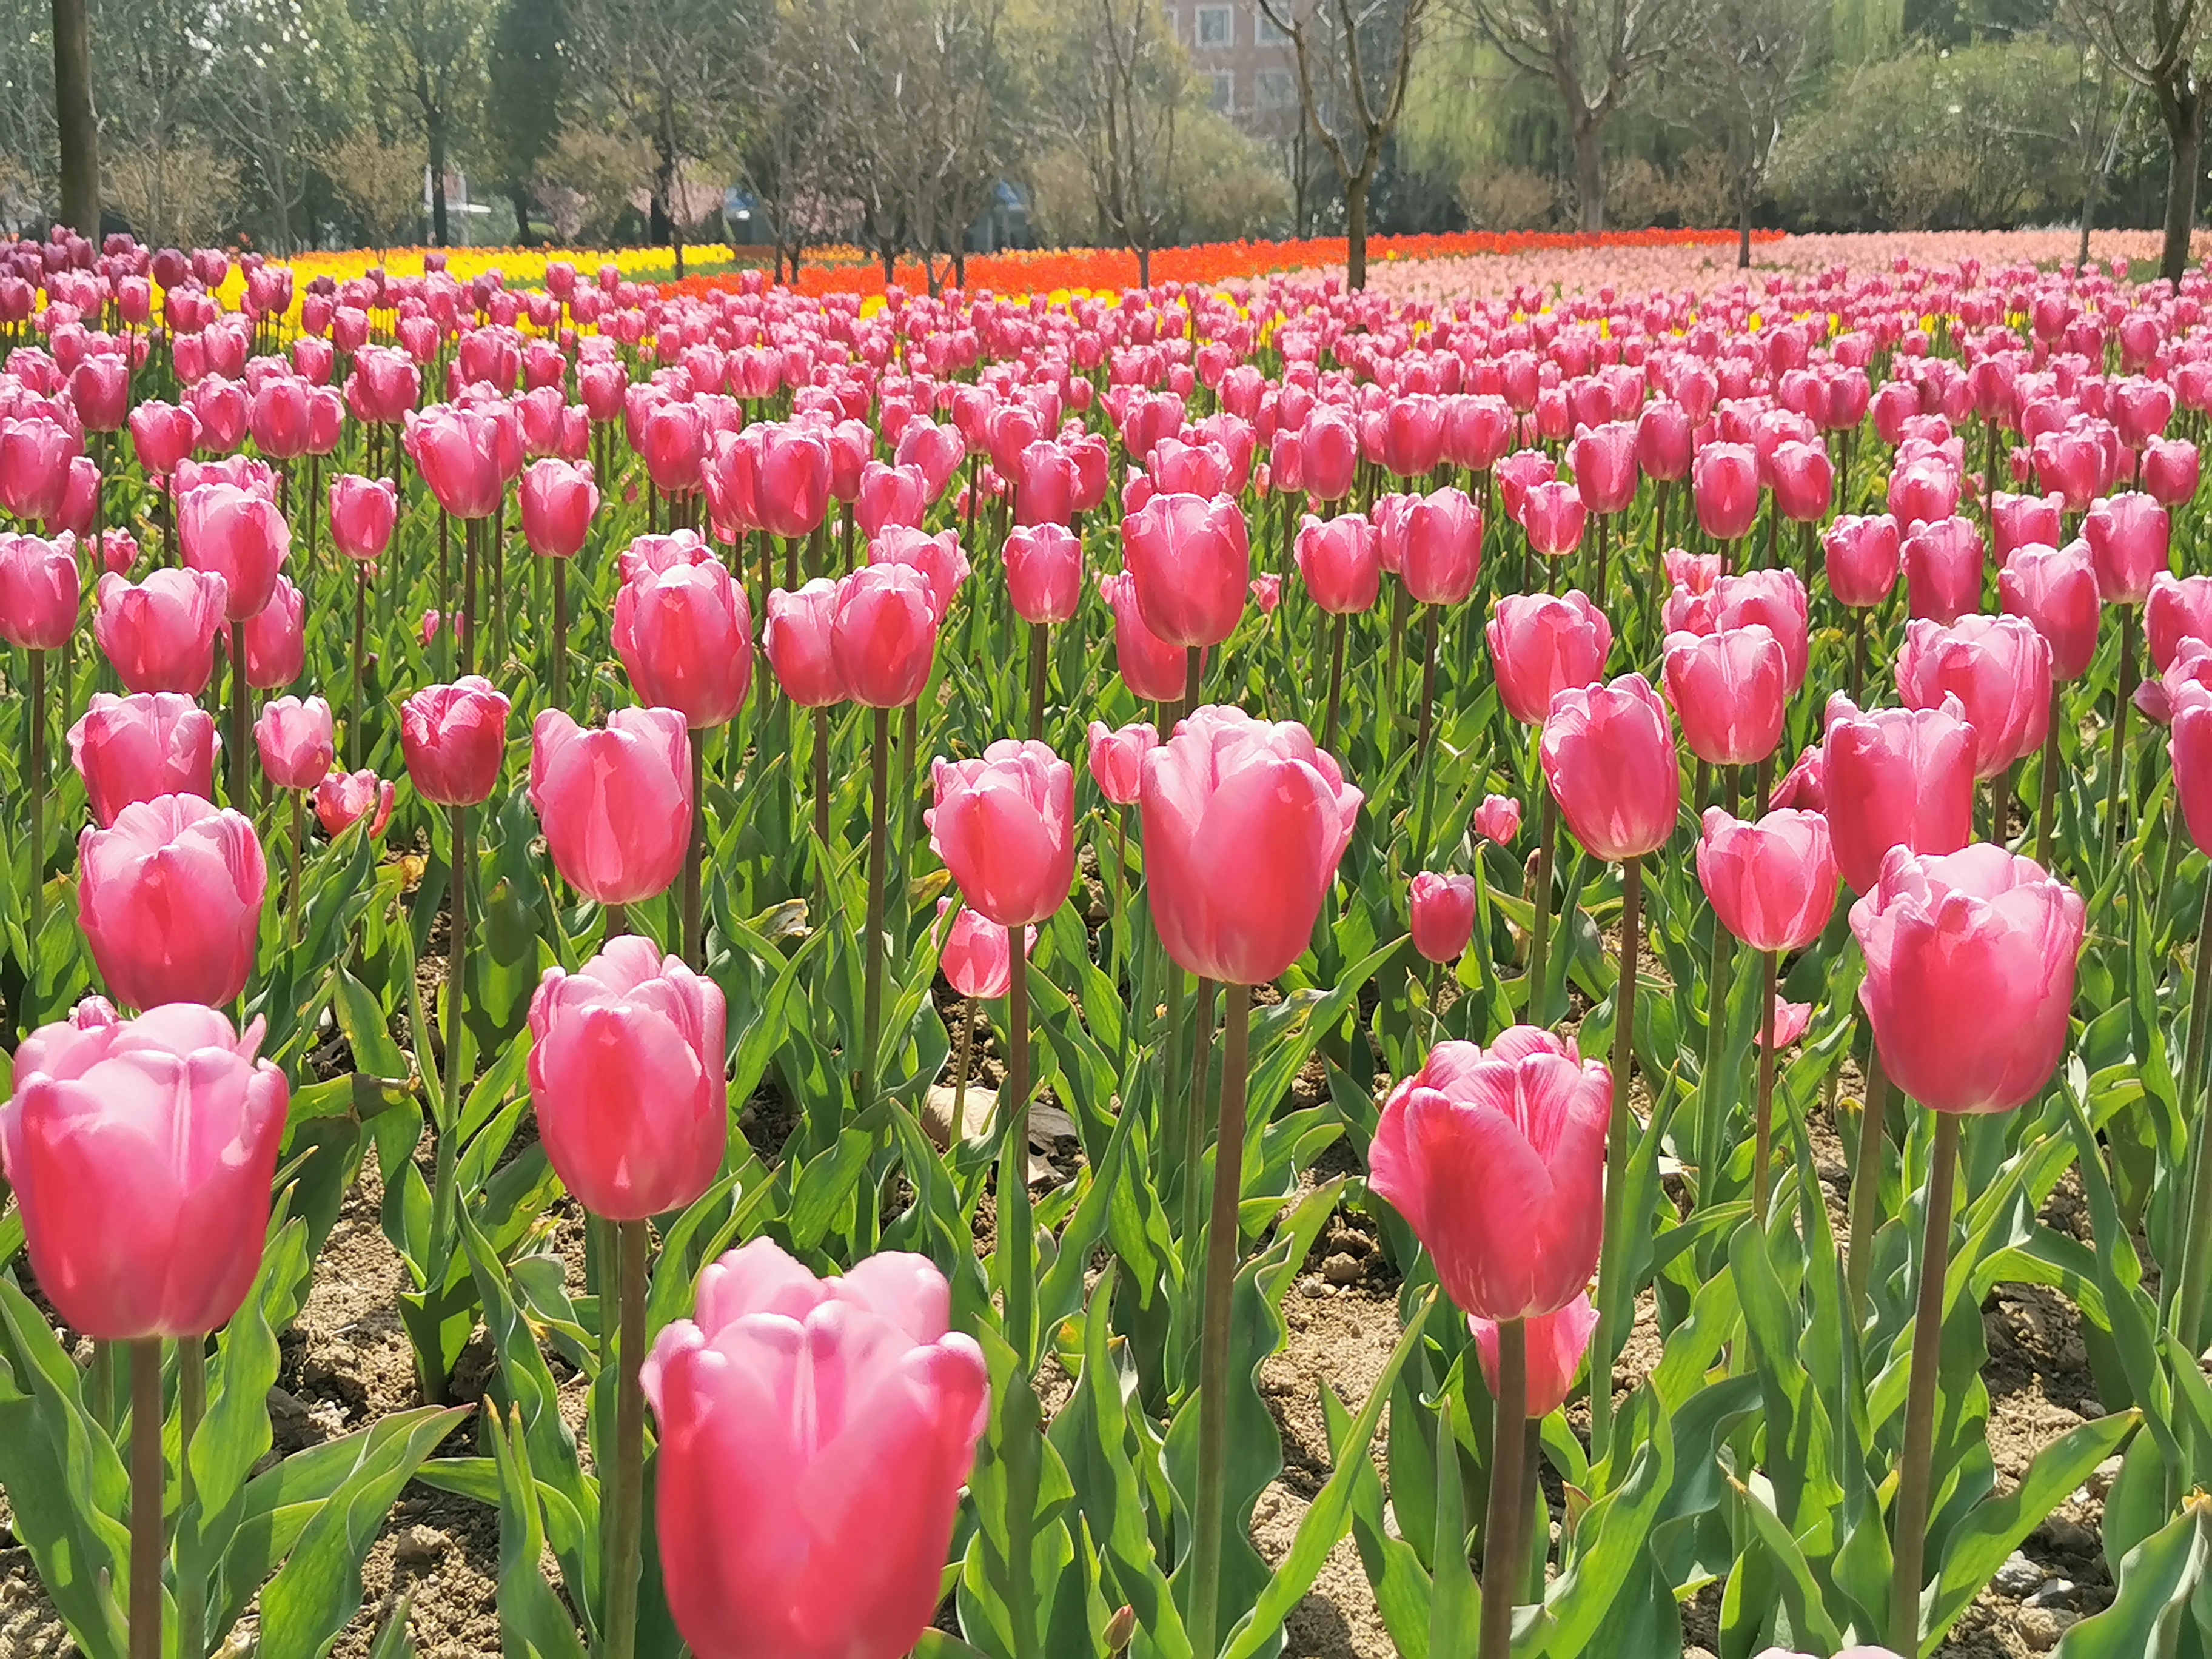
(1247, 62)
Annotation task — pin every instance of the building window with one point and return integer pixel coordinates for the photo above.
(1275, 89)
(1224, 92)
(1264, 32)
(1217, 26)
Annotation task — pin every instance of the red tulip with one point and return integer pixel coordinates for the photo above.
(814, 1438)
(1004, 826)
(159, 635)
(1442, 913)
(1496, 1160)
(1608, 753)
(344, 798)
(454, 738)
(797, 639)
(1329, 454)
(626, 1079)
(169, 898)
(161, 435)
(1804, 481)
(616, 803)
(1044, 573)
(35, 453)
(1730, 689)
(1896, 777)
(1773, 883)
(141, 1153)
(889, 495)
(2055, 589)
(1541, 644)
(1969, 974)
(558, 501)
(276, 640)
(1190, 559)
(236, 534)
(363, 512)
(1664, 444)
(2190, 748)
(2128, 538)
(1341, 561)
(883, 635)
(135, 748)
(1997, 667)
(683, 630)
(1777, 599)
(1943, 563)
(1245, 823)
(40, 590)
(1924, 491)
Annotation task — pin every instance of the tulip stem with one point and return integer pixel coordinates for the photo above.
(465, 625)
(191, 1409)
(1335, 683)
(148, 1544)
(1613, 1258)
(456, 1035)
(1763, 1140)
(1017, 1236)
(822, 814)
(2126, 689)
(1223, 1243)
(37, 896)
(871, 999)
(1194, 1146)
(960, 1072)
(445, 594)
(694, 930)
(1865, 1185)
(2046, 810)
(1540, 929)
(299, 840)
(1424, 757)
(1858, 653)
(1914, 1460)
(356, 715)
(1040, 670)
(559, 675)
(241, 726)
(634, 1243)
(1501, 1526)
(2197, 1255)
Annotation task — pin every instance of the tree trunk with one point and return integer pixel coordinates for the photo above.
(80, 127)
(1590, 174)
(435, 131)
(1355, 230)
(520, 197)
(1743, 226)
(2184, 131)
(2088, 214)
(668, 182)
(1144, 267)
(890, 257)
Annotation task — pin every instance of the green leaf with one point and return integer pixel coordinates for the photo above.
(531, 1617)
(2157, 1580)
(1801, 1591)
(1455, 1600)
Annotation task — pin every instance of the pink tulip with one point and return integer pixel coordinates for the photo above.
(1004, 826)
(1443, 911)
(1118, 759)
(1541, 644)
(1495, 1158)
(161, 435)
(626, 1079)
(792, 491)
(34, 465)
(1553, 514)
(159, 633)
(1943, 564)
(797, 641)
(296, 742)
(276, 640)
(814, 1438)
(141, 1153)
(2025, 521)
(1731, 690)
(1044, 573)
(39, 591)
(99, 391)
(134, 748)
(1790, 1021)
(1864, 554)
(2189, 750)
(1997, 667)
(363, 513)
(1724, 483)
(1896, 777)
(1773, 883)
(883, 635)
(616, 803)
(2178, 608)
(978, 954)
(1244, 822)
(683, 629)
(1442, 550)
(1664, 444)
(236, 534)
(169, 898)
(2171, 470)
(1604, 460)
(457, 450)
(1498, 819)
(1045, 483)
(943, 566)
(1924, 491)
(454, 738)
(1151, 668)
(1191, 562)
(558, 501)
(1804, 481)
(2055, 589)
(344, 798)
(1969, 974)
(889, 495)
(1341, 561)
(1557, 1342)
(1329, 454)
(1608, 753)
(2128, 538)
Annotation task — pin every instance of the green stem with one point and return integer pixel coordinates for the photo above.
(560, 667)
(2196, 1254)
(822, 814)
(242, 724)
(1866, 1184)
(1540, 929)
(1335, 683)
(1501, 1528)
(960, 1072)
(2116, 765)
(1763, 1140)
(148, 1544)
(1424, 757)
(630, 1449)
(191, 1409)
(872, 1003)
(1193, 1146)
(442, 1197)
(38, 814)
(1222, 1248)
(299, 842)
(356, 716)
(1613, 1255)
(1016, 1236)
(1040, 672)
(2046, 810)
(1927, 1364)
(695, 931)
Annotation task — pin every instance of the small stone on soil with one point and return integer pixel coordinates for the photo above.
(1343, 1269)
(2019, 1578)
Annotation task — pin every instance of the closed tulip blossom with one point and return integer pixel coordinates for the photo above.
(1245, 823)
(978, 954)
(2171, 470)
(1944, 565)
(275, 638)
(889, 495)
(1340, 562)
(1004, 826)
(1997, 667)
(943, 566)
(1724, 485)
(1553, 516)
(558, 501)
(1863, 555)
(1498, 819)
(294, 741)
(883, 635)
(1442, 908)
(683, 630)
(1118, 759)
(1896, 777)
(1804, 481)
(174, 1122)
(1608, 753)
(2055, 589)
(2187, 677)
(363, 513)
(454, 738)
(2025, 521)
(1495, 1158)
(1969, 974)
(1443, 557)
(616, 803)
(1604, 461)
(1149, 666)
(132, 749)
(457, 450)
(344, 798)
(815, 1436)
(626, 1079)
(1729, 689)
(1772, 882)
(2178, 608)
(1190, 560)
(796, 638)
(238, 535)
(1044, 573)
(792, 490)
(159, 635)
(2128, 538)
(169, 898)
(1541, 644)
(39, 591)
(1557, 1344)
(1777, 599)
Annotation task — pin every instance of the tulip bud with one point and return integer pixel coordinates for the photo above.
(1541, 644)
(169, 898)
(883, 635)
(1896, 777)
(616, 803)
(1003, 824)
(454, 738)
(978, 954)
(1498, 819)
(135, 748)
(1731, 690)
(296, 742)
(2055, 589)
(683, 629)
(1190, 559)
(1118, 759)
(1773, 883)
(344, 798)
(159, 635)
(1608, 753)
(39, 591)
(1044, 573)
(1443, 914)
(1557, 1344)
(558, 501)
(1864, 554)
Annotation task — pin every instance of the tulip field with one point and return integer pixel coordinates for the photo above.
(1515, 965)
